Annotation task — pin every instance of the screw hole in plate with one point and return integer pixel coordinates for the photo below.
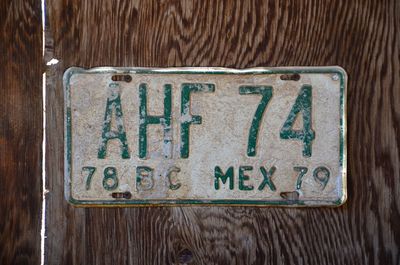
(124, 78)
(290, 77)
(121, 195)
(290, 195)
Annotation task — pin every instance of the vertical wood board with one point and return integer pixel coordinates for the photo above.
(20, 131)
(361, 36)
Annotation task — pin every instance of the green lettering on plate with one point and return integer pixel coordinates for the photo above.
(302, 171)
(144, 178)
(110, 180)
(145, 120)
(243, 178)
(186, 117)
(113, 105)
(219, 175)
(266, 92)
(303, 103)
(267, 178)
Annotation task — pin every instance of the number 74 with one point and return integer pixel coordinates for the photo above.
(302, 104)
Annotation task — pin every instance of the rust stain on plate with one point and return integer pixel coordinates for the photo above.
(213, 136)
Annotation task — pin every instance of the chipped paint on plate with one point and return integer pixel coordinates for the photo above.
(205, 136)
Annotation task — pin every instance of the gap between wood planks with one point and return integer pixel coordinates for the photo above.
(44, 191)
(52, 61)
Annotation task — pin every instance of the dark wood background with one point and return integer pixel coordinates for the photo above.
(361, 36)
(20, 131)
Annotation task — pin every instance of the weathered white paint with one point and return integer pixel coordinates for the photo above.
(221, 140)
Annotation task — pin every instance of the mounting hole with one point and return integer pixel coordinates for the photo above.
(121, 78)
(121, 195)
(290, 195)
(290, 77)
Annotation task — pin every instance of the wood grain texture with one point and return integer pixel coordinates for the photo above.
(20, 131)
(361, 36)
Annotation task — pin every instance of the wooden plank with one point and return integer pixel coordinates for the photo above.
(361, 36)
(20, 131)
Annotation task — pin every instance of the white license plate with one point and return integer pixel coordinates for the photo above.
(205, 136)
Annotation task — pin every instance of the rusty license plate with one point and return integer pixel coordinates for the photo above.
(205, 136)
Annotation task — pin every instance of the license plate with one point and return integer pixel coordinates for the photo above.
(205, 136)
